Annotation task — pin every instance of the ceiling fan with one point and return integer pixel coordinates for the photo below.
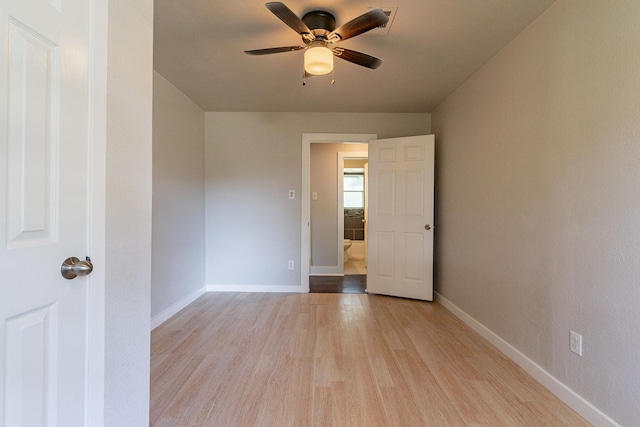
(319, 34)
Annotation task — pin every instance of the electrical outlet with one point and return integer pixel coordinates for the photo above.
(292, 194)
(291, 264)
(576, 343)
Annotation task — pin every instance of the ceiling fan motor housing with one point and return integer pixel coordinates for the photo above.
(320, 20)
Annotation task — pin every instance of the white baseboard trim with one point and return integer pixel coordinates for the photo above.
(329, 270)
(255, 288)
(166, 314)
(564, 393)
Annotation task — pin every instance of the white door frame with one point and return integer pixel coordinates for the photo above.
(97, 213)
(305, 197)
(96, 200)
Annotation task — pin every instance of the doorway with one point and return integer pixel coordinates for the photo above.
(333, 267)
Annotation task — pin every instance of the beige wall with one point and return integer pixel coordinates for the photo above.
(539, 198)
(178, 252)
(324, 211)
(252, 160)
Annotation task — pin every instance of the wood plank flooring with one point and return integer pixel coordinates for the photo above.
(252, 359)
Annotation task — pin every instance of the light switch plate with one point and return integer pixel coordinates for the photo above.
(575, 343)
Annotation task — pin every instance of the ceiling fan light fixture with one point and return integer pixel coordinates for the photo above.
(318, 60)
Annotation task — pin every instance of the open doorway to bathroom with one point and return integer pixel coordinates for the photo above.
(337, 231)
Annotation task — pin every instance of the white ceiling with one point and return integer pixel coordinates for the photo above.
(432, 47)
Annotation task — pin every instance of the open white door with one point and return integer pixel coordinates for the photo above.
(46, 99)
(401, 202)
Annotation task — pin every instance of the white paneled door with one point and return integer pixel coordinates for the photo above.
(401, 209)
(45, 136)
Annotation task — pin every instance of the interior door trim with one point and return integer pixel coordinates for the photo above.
(305, 192)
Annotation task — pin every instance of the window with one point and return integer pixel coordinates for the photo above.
(354, 188)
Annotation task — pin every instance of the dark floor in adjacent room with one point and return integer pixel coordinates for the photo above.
(348, 284)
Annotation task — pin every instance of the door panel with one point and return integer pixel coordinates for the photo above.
(384, 254)
(386, 193)
(31, 347)
(401, 190)
(415, 187)
(33, 81)
(44, 210)
(414, 252)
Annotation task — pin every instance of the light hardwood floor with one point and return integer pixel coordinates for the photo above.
(274, 360)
